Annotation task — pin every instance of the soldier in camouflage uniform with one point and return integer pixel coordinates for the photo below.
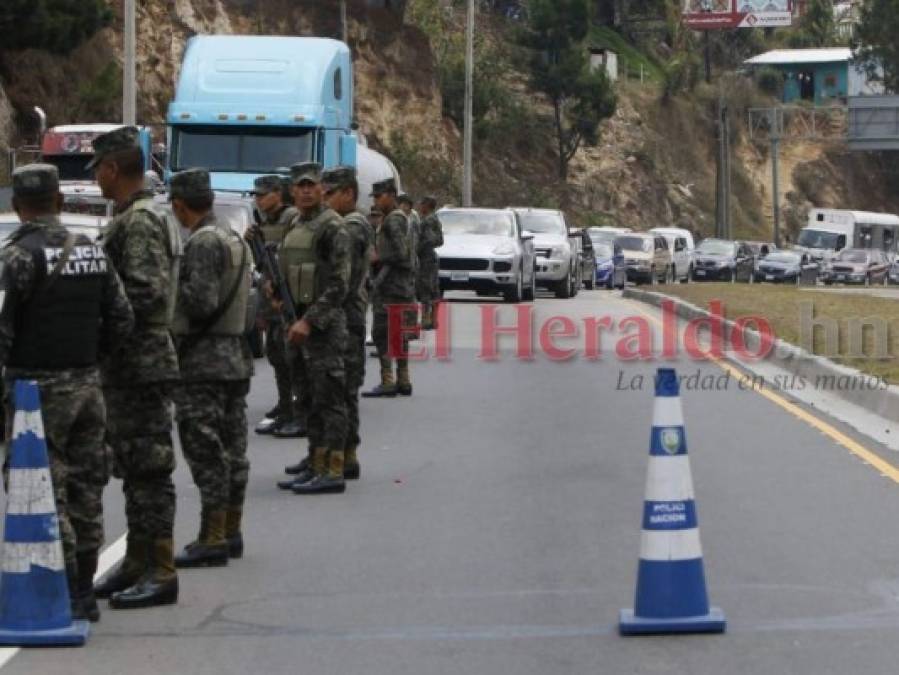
(216, 366)
(144, 246)
(315, 262)
(394, 286)
(286, 419)
(62, 305)
(427, 282)
(342, 193)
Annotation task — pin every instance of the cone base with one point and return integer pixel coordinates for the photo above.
(71, 636)
(713, 622)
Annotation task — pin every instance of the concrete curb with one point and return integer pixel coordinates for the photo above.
(882, 401)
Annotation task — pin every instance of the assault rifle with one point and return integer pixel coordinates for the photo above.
(268, 265)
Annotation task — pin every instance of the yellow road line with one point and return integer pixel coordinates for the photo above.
(885, 468)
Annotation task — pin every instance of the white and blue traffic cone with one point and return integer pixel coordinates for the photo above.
(671, 593)
(35, 608)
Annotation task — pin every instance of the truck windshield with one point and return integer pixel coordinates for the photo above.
(239, 149)
(818, 239)
(71, 167)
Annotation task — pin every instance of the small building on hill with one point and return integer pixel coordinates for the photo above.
(818, 75)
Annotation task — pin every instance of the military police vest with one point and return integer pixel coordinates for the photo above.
(164, 316)
(233, 318)
(298, 258)
(273, 229)
(59, 322)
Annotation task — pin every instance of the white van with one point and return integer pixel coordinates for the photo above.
(682, 246)
(831, 230)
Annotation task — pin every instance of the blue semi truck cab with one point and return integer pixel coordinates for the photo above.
(248, 105)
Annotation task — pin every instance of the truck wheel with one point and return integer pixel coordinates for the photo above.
(530, 293)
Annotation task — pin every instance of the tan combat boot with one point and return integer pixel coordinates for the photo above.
(127, 572)
(387, 388)
(212, 549)
(330, 481)
(403, 379)
(158, 585)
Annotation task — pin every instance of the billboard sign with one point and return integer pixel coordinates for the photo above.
(728, 14)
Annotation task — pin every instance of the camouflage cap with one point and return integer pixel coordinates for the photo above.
(404, 199)
(189, 183)
(34, 180)
(124, 138)
(338, 177)
(306, 172)
(383, 186)
(266, 184)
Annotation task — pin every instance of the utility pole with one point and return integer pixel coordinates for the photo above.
(345, 30)
(469, 108)
(775, 174)
(129, 69)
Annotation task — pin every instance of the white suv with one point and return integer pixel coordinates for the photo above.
(557, 259)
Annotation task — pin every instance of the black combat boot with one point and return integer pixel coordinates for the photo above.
(211, 550)
(127, 572)
(387, 388)
(298, 468)
(158, 585)
(290, 429)
(87, 568)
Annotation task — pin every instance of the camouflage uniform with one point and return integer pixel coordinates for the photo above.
(215, 372)
(143, 245)
(319, 362)
(39, 341)
(427, 282)
(276, 349)
(394, 285)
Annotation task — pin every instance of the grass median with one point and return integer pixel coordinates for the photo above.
(785, 306)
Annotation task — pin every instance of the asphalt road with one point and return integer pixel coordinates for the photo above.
(496, 529)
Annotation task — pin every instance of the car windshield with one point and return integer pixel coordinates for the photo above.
(235, 216)
(783, 257)
(852, 256)
(497, 224)
(635, 244)
(543, 223)
(232, 149)
(603, 251)
(818, 239)
(716, 247)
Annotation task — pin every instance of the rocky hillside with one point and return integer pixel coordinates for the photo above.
(654, 164)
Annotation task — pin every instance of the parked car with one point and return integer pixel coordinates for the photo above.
(587, 255)
(682, 246)
(557, 259)
(647, 258)
(611, 270)
(857, 266)
(486, 250)
(780, 267)
(723, 260)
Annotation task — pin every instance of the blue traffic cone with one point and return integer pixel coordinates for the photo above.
(671, 593)
(35, 608)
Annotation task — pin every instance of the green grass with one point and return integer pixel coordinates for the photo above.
(628, 55)
(779, 305)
